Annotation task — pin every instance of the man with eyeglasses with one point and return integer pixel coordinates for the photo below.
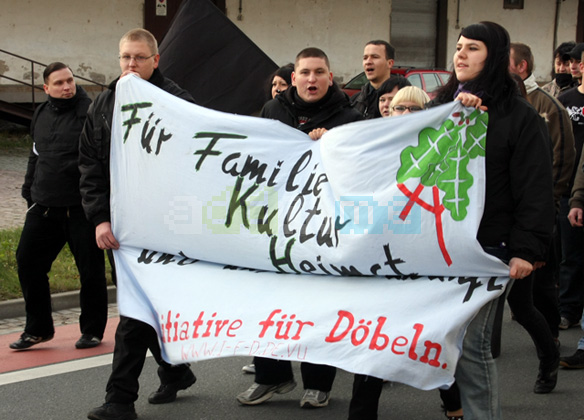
(139, 56)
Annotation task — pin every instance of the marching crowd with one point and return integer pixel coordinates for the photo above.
(532, 219)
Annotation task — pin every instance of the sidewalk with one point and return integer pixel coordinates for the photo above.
(65, 311)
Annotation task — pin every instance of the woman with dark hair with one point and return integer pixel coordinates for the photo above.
(386, 92)
(518, 212)
(280, 80)
(518, 215)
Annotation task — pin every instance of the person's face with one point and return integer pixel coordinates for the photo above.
(575, 68)
(561, 66)
(385, 102)
(375, 63)
(469, 58)
(514, 68)
(136, 57)
(312, 78)
(60, 84)
(279, 85)
(405, 107)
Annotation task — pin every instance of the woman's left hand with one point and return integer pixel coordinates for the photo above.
(470, 100)
(519, 268)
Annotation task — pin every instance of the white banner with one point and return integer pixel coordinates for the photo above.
(217, 214)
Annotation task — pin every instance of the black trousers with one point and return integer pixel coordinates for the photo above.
(272, 372)
(45, 233)
(133, 339)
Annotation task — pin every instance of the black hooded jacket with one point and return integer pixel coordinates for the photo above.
(94, 148)
(332, 110)
(52, 174)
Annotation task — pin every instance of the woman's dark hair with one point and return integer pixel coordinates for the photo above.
(494, 83)
(388, 86)
(285, 72)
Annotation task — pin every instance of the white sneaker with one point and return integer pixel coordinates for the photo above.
(257, 394)
(315, 398)
(248, 369)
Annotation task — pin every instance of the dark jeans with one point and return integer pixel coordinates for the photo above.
(272, 372)
(45, 233)
(571, 280)
(545, 291)
(520, 299)
(133, 339)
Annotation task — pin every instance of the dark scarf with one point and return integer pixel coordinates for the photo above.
(305, 111)
(462, 89)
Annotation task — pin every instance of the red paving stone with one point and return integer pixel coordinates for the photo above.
(59, 349)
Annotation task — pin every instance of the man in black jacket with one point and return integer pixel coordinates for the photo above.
(313, 105)
(139, 56)
(55, 215)
(378, 59)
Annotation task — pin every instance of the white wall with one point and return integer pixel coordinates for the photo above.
(533, 25)
(282, 28)
(81, 33)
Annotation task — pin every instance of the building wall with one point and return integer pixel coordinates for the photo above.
(339, 27)
(85, 33)
(534, 26)
(81, 33)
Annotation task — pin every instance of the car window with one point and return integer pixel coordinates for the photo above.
(356, 82)
(444, 77)
(415, 80)
(431, 81)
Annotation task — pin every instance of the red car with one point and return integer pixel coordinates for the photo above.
(427, 79)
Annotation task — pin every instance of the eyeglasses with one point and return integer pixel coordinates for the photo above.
(402, 108)
(139, 59)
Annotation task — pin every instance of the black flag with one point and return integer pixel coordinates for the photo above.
(206, 54)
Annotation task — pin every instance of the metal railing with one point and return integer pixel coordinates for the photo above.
(32, 85)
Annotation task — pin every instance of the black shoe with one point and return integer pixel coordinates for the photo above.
(547, 377)
(575, 361)
(26, 340)
(113, 411)
(166, 393)
(87, 341)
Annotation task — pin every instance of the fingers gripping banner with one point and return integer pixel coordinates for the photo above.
(242, 237)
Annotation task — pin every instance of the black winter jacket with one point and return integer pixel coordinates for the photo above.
(366, 102)
(52, 175)
(333, 110)
(94, 148)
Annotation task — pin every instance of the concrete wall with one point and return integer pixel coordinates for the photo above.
(533, 25)
(81, 33)
(339, 27)
(85, 33)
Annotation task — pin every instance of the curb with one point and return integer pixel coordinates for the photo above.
(15, 308)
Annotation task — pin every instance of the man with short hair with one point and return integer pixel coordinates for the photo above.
(521, 62)
(55, 215)
(313, 104)
(561, 77)
(138, 56)
(378, 59)
(542, 284)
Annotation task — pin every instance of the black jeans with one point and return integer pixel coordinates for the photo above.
(520, 299)
(272, 372)
(45, 233)
(133, 339)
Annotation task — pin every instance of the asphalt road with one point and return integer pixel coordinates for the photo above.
(70, 389)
